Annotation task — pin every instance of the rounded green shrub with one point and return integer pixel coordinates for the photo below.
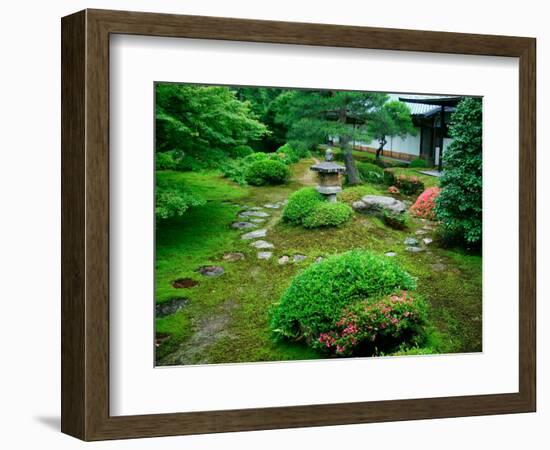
(327, 214)
(418, 162)
(253, 157)
(300, 204)
(288, 154)
(241, 151)
(266, 171)
(316, 297)
(370, 173)
(165, 161)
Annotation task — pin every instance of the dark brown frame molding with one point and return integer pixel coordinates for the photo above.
(85, 224)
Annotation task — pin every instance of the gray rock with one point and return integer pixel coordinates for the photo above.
(171, 306)
(211, 271)
(414, 249)
(410, 241)
(253, 214)
(427, 241)
(319, 259)
(376, 204)
(255, 208)
(298, 258)
(243, 225)
(262, 244)
(283, 259)
(421, 232)
(255, 234)
(232, 257)
(390, 254)
(272, 205)
(257, 220)
(265, 255)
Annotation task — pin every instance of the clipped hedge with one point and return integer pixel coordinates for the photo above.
(315, 300)
(300, 204)
(328, 214)
(370, 173)
(419, 163)
(266, 171)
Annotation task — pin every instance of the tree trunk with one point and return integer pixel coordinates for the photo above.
(382, 142)
(351, 168)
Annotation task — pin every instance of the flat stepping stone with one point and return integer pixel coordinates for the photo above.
(298, 258)
(438, 267)
(283, 260)
(414, 249)
(254, 208)
(319, 259)
(390, 254)
(411, 242)
(262, 244)
(427, 241)
(265, 255)
(421, 232)
(171, 306)
(211, 271)
(243, 225)
(232, 257)
(184, 283)
(257, 220)
(272, 205)
(255, 234)
(253, 214)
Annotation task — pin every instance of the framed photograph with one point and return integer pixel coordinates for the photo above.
(272, 225)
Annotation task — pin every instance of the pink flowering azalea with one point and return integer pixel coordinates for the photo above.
(424, 207)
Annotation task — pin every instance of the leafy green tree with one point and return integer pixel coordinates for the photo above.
(392, 119)
(458, 206)
(195, 120)
(312, 115)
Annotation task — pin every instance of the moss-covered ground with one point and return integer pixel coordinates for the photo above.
(226, 317)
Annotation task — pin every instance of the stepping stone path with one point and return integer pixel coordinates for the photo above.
(262, 244)
(243, 225)
(410, 241)
(390, 254)
(255, 234)
(272, 205)
(184, 283)
(211, 271)
(171, 306)
(298, 258)
(253, 214)
(232, 257)
(414, 249)
(427, 241)
(421, 232)
(283, 259)
(265, 255)
(257, 220)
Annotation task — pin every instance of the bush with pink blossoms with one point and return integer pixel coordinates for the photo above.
(424, 207)
(388, 324)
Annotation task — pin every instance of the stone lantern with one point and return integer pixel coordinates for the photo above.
(330, 182)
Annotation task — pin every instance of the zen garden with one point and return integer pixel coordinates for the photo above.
(296, 224)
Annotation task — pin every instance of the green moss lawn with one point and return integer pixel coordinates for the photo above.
(225, 318)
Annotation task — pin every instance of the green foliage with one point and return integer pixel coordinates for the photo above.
(165, 161)
(409, 185)
(371, 173)
(300, 204)
(418, 163)
(234, 170)
(314, 301)
(240, 151)
(395, 221)
(290, 155)
(204, 123)
(458, 206)
(355, 193)
(172, 200)
(393, 322)
(266, 171)
(253, 157)
(327, 214)
(388, 178)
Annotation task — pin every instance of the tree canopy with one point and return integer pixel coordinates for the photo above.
(197, 119)
(312, 115)
(392, 119)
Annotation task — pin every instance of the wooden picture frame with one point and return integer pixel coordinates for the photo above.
(85, 224)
